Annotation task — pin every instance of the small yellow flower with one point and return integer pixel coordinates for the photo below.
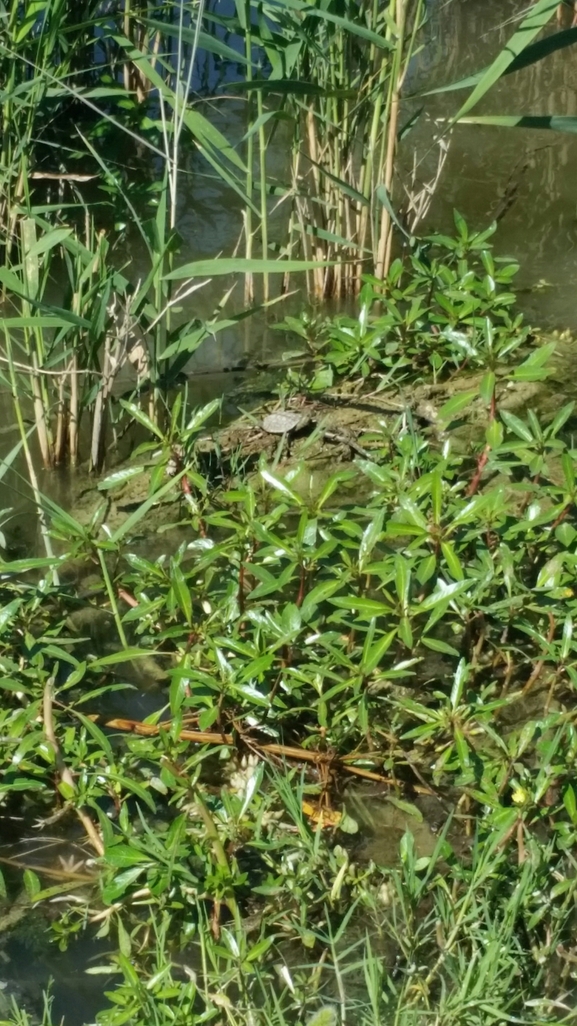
(520, 795)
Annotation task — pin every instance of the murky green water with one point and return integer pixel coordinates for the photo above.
(485, 165)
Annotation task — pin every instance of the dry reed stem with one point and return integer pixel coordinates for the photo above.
(63, 770)
(73, 413)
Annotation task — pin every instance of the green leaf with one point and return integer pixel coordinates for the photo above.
(137, 414)
(494, 434)
(539, 14)
(487, 387)
(119, 477)
(552, 122)
(97, 734)
(8, 612)
(181, 592)
(21, 566)
(439, 646)
(238, 265)
(413, 513)
(561, 418)
(118, 886)
(452, 560)
(135, 518)
(326, 1016)
(319, 594)
(339, 477)
(31, 883)
(407, 807)
(281, 486)
(124, 656)
(363, 606)
(259, 949)
(529, 55)
(568, 471)
(456, 405)
(370, 538)
(288, 87)
(385, 201)
(124, 944)
(402, 579)
(204, 40)
(350, 27)
(534, 367)
(570, 803)
(518, 426)
(372, 658)
(200, 416)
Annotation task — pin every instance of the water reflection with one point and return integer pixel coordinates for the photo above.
(525, 177)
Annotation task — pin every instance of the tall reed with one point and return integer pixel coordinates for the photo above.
(339, 69)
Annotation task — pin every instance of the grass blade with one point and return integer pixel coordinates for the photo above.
(541, 12)
(237, 265)
(530, 55)
(552, 122)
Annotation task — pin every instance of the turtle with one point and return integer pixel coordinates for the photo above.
(285, 422)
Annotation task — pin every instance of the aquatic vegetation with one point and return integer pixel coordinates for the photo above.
(297, 645)
(210, 693)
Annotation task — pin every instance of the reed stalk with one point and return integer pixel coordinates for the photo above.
(245, 12)
(263, 192)
(15, 389)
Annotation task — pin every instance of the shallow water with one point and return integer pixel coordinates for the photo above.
(485, 164)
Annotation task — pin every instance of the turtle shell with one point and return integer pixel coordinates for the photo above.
(285, 422)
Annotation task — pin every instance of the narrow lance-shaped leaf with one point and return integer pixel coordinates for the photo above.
(534, 367)
(323, 13)
(370, 538)
(119, 477)
(142, 510)
(206, 41)
(237, 265)
(374, 654)
(530, 55)
(539, 14)
(281, 486)
(551, 122)
(200, 416)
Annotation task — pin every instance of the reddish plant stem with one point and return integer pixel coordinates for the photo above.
(561, 517)
(481, 464)
(302, 586)
(483, 458)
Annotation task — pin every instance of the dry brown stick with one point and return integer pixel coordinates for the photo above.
(63, 770)
(54, 176)
(288, 752)
(151, 729)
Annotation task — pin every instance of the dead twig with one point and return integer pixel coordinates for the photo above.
(282, 751)
(63, 770)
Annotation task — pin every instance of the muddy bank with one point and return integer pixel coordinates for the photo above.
(341, 427)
